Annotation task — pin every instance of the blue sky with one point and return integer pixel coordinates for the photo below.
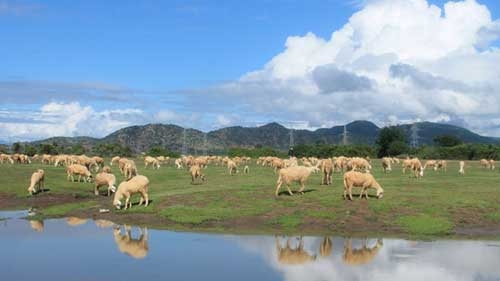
(69, 65)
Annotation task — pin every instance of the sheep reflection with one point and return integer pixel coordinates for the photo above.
(136, 248)
(360, 256)
(36, 225)
(293, 256)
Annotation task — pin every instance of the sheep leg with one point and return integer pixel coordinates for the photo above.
(146, 198)
(278, 186)
(350, 192)
(302, 187)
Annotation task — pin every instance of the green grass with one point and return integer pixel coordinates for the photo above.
(425, 225)
(431, 205)
(61, 210)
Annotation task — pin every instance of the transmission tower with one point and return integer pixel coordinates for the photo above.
(414, 135)
(184, 140)
(345, 136)
(291, 138)
(205, 144)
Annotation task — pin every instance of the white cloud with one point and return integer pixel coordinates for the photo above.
(393, 60)
(65, 119)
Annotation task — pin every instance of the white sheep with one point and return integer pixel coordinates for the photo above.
(137, 184)
(148, 160)
(136, 248)
(105, 179)
(327, 169)
(363, 180)
(79, 170)
(386, 164)
(195, 171)
(461, 171)
(37, 182)
(298, 174)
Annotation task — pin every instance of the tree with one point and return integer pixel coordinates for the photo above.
(78, 149)
(17, 147)
(447, 140)
(386, 137)
(30, 150)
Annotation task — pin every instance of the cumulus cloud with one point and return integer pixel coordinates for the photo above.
(393, 60)
(65, 119)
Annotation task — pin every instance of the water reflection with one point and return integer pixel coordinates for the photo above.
(134, 253)
(326, 247)
(293, 255)
(74, 221)
(136, 248)
(36, 225)
(364, 255)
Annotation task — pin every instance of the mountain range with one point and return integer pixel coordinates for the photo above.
(274, 135)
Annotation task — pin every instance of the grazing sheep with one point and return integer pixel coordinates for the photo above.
(178, 163)
(363, 180)
(98, 160)
(130, 169)
(484, 163)
(290, 256)
(360, 256)
(114, 160)
(37, 182)
(148, 160)
(416, 167)
(492, 164)
(246, 169)
(232, 167)
(195, 171)
(288, 175)
(79, 170)
(406, 165)
(431, 163)
(360, 164)
(441, 164)
(106, 169)
(105, 179)
(6, 158)
(327, 169)
(386, 164)
(461, 171)
(136, 248)
(137, 184)
(325, 249)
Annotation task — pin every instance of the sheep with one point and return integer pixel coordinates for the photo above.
(37, 182)
(325, 248)
(417, 168)
(80, 170)
(114, 160)
(406, 165)
(461, 171)
(195, 171)
(130, 169)
(148, 160)
(232, 167)
(121, 164)
(178, 163)
(296, 173)
(359, 164)
(492, 164)
(360, 256)
(431, 163)
(137, 184)
(136, 248)
(363, 180)
(441, 164)
(98, 160)
(327, 169)
(288, 255)
(484, 163)
(106, 169)
(6, 157)
(104, 178)
(386, 164)
(246, 170)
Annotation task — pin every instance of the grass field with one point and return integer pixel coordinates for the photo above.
(440, 204)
